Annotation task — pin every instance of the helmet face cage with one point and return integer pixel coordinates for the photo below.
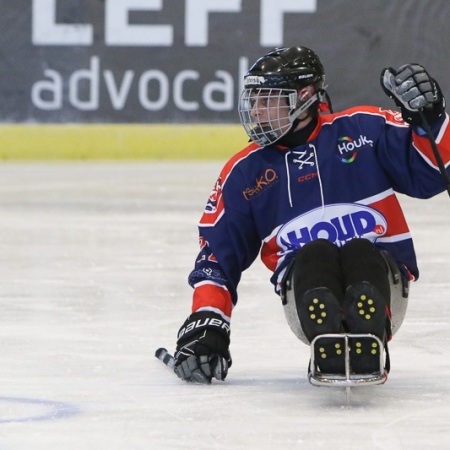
(264, 113)
(267, 114)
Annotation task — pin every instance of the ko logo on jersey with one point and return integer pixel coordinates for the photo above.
(337, 223)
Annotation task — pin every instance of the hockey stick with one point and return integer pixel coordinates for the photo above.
(219, 371)
(163, 355)
(437, 155)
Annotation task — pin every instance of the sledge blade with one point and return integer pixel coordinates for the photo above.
(347, 379)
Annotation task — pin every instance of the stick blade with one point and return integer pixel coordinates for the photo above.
(163, 355)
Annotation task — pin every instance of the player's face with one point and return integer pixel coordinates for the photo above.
(269, 108)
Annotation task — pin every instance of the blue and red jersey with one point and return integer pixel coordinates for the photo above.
(339, 185)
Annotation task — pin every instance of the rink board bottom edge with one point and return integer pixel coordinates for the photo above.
(120, 141)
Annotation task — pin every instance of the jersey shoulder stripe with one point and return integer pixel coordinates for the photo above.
(215, 207)
(237, 158)
(392, 117)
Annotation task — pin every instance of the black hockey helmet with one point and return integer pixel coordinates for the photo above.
(286, 68)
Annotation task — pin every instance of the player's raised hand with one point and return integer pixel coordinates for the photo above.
(412, 89)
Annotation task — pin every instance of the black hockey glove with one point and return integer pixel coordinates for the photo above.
(412, 89)
(202, 348)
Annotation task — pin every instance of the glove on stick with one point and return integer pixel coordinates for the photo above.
(202, 348)
(412, 89)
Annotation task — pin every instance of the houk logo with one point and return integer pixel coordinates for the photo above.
(337, 223)
(348, 148)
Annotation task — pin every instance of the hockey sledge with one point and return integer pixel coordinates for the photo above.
(347, 379)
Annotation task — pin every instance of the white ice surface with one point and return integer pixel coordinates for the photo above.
(94, 260)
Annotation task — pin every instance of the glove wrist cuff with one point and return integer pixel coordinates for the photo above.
(198, 322)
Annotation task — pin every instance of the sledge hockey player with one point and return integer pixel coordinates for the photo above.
(314, 194)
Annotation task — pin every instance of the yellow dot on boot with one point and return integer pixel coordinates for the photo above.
(311, 308)
(316, 300)
(323, 355)
(360, 304)
(372, 310)
(368, 316)
(313, 316)
(320, 321)
(361, 312)
(321, 349)
(363, 297)
(370, 301)
(324, 314)
(374, 352)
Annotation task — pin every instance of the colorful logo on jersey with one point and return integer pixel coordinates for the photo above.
(337, 223)
(214, 207)
(395, 116)
(263, 182)
(214, 198)
(348, 148)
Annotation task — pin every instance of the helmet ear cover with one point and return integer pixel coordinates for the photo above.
(297, 98)
(306, 93)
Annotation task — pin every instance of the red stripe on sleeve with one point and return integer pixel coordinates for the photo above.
(391, 209)
(212, 296)
(423, 145)
(269, 254)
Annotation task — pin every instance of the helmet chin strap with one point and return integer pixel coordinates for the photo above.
(312, 113)
(316, 97)
(293, 116)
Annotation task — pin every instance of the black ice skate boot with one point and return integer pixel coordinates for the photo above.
(320, 313)
(366, 302)
(365, 313)
(319, 294)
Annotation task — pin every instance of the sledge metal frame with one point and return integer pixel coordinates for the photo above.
(348, 379)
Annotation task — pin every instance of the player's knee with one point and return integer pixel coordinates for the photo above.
(317, 264)
(362, 261)
(317, 252)
(362, 254)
